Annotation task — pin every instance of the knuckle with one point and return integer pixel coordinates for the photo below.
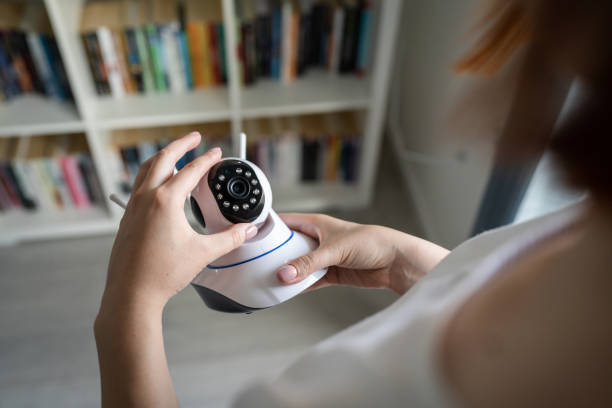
(305, 264)
(160, 197)
(237, 237)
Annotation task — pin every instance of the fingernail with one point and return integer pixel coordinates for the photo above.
(251, 231)
(215, 150)
(195, 133)
(287, 273)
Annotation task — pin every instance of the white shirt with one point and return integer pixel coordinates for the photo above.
(389, 359)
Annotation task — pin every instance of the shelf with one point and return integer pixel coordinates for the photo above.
(316, 197)
(316, 92)
(18, 226)
(36, 114)
(161, 109)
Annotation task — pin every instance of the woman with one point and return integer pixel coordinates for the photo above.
(519, 316)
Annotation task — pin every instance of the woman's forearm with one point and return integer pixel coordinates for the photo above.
(133, 366)
(414, 258)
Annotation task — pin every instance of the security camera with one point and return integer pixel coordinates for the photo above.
(244, 280)
(235, 191)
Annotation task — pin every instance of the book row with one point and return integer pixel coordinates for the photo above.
(290, 150)
(29, 57)
(47, 174)
(281, 40)
(158, 46)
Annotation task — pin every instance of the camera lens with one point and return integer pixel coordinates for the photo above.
(238, 187)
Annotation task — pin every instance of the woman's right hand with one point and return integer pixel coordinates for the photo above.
(367, 256)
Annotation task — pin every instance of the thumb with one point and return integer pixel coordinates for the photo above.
(298, 269)
(221, 243)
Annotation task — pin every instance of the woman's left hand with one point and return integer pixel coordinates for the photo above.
(156, 252)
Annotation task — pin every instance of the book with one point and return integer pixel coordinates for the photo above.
(92, 50)
(128, 80)
(363, 43)
(133, 59)
(348, 53)
(158, 67)
(111, 62)
(74, 181)
(170, 43)
(145, 60)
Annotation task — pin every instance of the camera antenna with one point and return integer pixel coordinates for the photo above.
(243, 146)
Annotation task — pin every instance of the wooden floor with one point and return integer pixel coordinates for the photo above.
(50, 291)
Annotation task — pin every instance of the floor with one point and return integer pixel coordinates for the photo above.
(49, 294)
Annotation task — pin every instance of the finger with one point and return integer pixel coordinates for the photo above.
(219, 244)
(166, 159)
(142, 172)
(188, 177)
(298, 269)
(305, 223)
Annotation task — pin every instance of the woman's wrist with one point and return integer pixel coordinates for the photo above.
(413, 259)
(119, 307)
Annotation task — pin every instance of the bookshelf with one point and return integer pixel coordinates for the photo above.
(99, 116)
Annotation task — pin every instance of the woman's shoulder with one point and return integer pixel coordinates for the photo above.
(537, 334)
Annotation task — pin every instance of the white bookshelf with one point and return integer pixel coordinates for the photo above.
(97, 117)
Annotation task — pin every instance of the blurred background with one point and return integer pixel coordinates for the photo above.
(350, 106)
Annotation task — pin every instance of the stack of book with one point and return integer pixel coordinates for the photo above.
(281, 40)
(47, 174)
(30, 61)
(306, 149)
(145, 46)
(129, 148)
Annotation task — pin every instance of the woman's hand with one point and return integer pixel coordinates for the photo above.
(156, 253)
(366, 256)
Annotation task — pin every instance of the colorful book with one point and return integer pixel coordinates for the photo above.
(74, 181)
(145, 61)
(157, 57)
(133, 59)
(111, 62)
(175, 72)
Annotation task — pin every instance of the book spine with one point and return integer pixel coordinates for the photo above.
(61, 186)
(336, 40)
(42, 168)
(157, 57)
(207, 63)
(214, 54)
(39, 189)
(74, 181)
(133, 59)
(9, 187)
(304, 41)
(92, 184)
(348, 57)
(121, 49)
(364, 39)
(22, 179)
(275, 61)
(110, 61)
(185, 59)
(26, 83)
(11, 82)
(58, 75)
(90, 41)
(29, 61)
(145, 61)
(176, 78)
(221, 52)
(286, 42)
(196, 46)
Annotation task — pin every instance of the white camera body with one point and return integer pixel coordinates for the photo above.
(244, 280)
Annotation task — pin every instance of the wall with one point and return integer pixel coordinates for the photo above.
(443, 124)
